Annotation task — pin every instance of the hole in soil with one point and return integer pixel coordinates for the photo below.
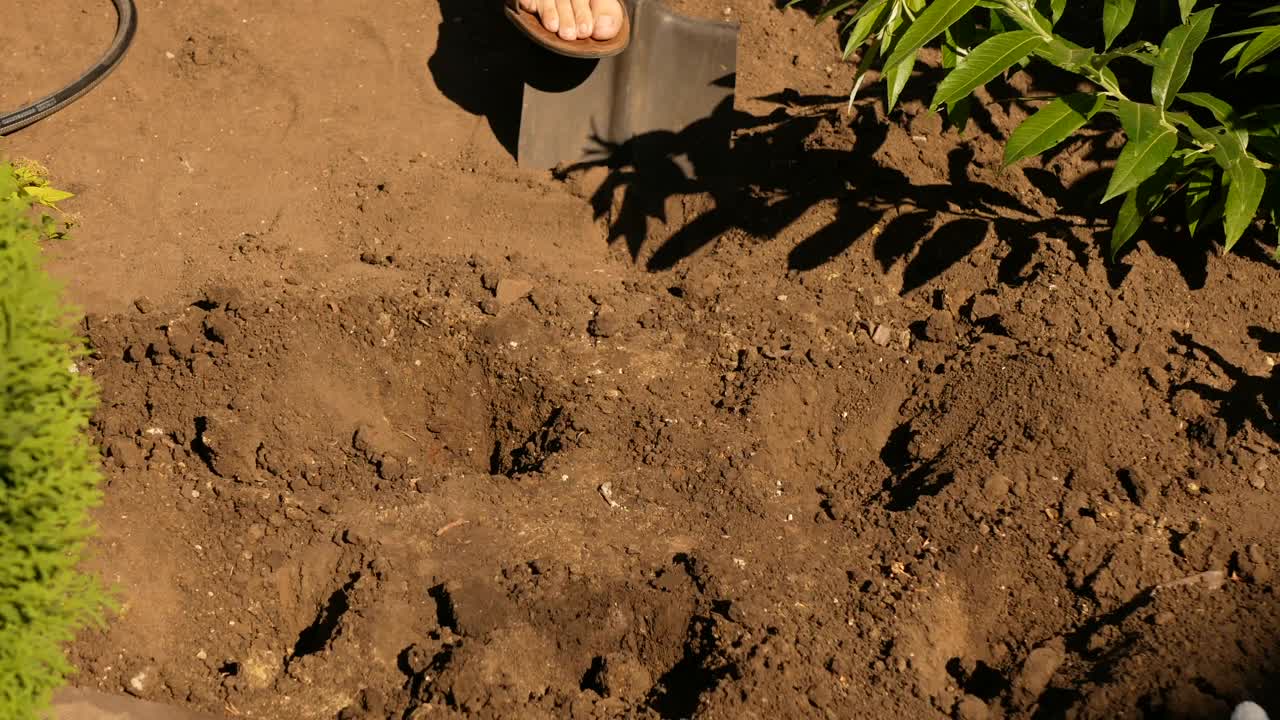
(982, 681)
(230, 668)
(909, 481)
(314, 638)
(591, 680)
(1130, 485)
(678, 690)
(1055, 703)
(445, 615)
(198, 447)
(533, 453)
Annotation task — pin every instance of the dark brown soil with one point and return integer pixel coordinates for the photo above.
(856, 425)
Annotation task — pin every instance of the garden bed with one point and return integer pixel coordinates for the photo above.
(856, 425)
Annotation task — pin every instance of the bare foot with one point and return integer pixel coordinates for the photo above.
(578, 19)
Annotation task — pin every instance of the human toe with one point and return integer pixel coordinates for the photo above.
(549, 15)
(568, 27)
(608, 19)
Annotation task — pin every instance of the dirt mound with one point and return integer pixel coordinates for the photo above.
(593, 504)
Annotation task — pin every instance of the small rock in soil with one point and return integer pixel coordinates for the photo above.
(225, 297)
(230, 448)
(140, 681)
(882, 336)
(390, 468)
(260, 668)
(125, 452)
(489, 306)
(972, 708)
(1252, 565)
(996, 488)
(144, 305)
(940, 328)
(417, 659)
(1037, 671)
(219, 328)
(543, 301)
(623, 676)
(984, 307)
(509, 290)
(606, 323)
(1139, 486)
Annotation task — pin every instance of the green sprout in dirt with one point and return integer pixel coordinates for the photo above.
(1220, 158)
(49, 472)
(33, 187)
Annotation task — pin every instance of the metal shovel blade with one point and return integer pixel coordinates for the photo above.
(676, 71)
(77, 704)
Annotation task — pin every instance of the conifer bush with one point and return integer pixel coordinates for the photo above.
(49, 474)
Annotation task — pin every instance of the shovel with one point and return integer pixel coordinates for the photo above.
(676, 72)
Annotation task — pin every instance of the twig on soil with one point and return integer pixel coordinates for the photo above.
(455, 524)
(409, 436)
(1211, 580)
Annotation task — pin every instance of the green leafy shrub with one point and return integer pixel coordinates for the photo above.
(48, 470)
(1217, 151)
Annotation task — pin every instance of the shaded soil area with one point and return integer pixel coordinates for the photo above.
(852, 423)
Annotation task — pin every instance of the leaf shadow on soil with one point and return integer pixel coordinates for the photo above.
(778, 168)
(1251, 399)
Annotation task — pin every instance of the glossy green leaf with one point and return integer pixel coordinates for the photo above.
(984, 63)
(1199, 196)
(996, 22)
(1050, 125)
(1066, 54)
(1140, 202)
(896, 77)
(1222, 112)
(938, 16)
(1057, 8)
(1177, 52)
(1266, 43)
(864, 26)
(950, 58)
(1116, 15)
(1185, 7)
(46, 195)
(1245, 185)
(1150, 144)
(958, 112)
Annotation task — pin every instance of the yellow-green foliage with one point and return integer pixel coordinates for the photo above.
(49, 473)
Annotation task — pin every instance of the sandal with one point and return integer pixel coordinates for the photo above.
(531, 26)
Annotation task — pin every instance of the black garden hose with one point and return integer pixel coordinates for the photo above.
(126, 28)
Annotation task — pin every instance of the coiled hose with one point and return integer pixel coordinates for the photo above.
(126, 28)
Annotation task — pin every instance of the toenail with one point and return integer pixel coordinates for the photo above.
(584, 29)
(553, 24)
(605, 25)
